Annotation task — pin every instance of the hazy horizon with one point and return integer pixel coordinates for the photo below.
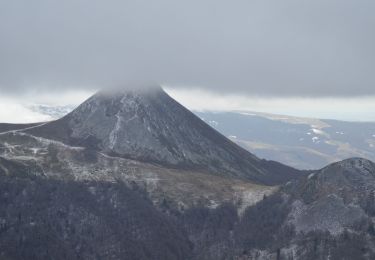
(346, 109)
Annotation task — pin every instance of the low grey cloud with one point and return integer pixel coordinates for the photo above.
(263, 47)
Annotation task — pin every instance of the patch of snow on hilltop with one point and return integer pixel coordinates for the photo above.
(317, 131)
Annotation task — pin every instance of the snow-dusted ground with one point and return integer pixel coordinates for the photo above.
(57, 160)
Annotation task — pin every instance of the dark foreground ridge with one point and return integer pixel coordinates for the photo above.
(148, 125)
(54, 219)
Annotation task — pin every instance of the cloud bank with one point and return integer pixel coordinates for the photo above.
(274, 48)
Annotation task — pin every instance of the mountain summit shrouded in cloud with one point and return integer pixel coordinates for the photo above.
(131, 173)
(148, 125)
(288, 48)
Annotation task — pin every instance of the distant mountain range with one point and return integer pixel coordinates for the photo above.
(303, 143)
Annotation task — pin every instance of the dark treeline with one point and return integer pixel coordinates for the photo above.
(50, 219)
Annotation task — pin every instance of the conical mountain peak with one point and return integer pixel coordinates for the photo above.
(148, 125)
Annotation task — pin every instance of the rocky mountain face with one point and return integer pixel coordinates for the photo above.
(329, 214)
(335, 197)
(147, 125)
(104, 183)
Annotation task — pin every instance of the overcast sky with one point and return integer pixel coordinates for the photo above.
(299, 49)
